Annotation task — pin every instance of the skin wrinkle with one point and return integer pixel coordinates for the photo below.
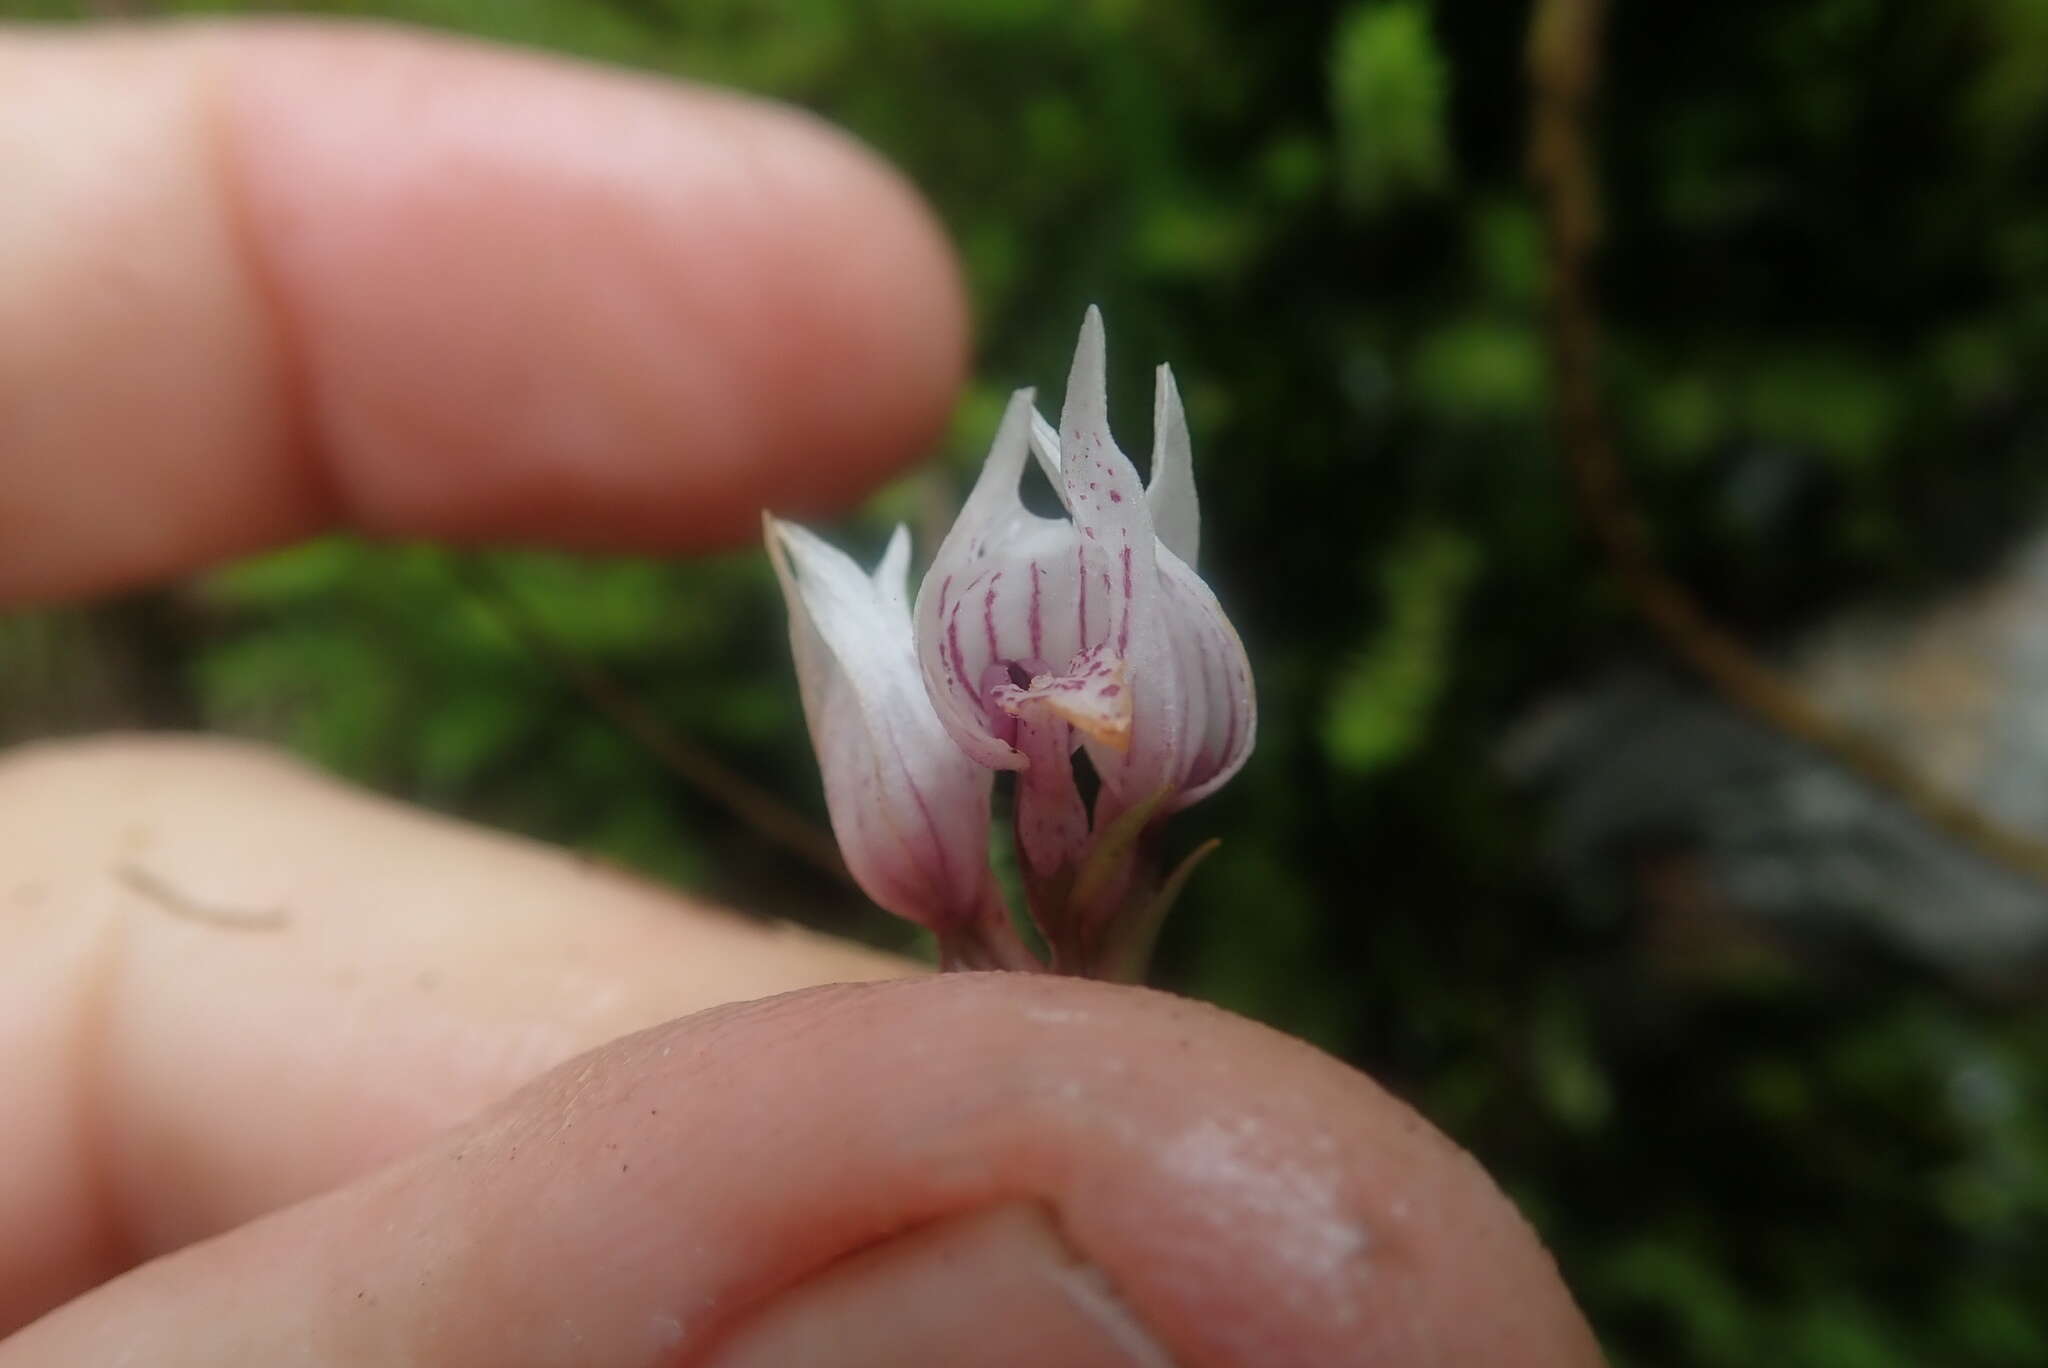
(91, 1007)
(990, 1194)
(291, 361)
(1092, 1287)
(124, 303)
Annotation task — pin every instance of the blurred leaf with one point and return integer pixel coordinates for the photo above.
(1183, 238)
(1507, 251)
(1568, 1074)
(1654, 1271)
(1832, 399)
(1841, 1333)
(282, 577)
(1388, 90)
(1380, 704)
(1293, 168)
(1480, 370)
(466, 733)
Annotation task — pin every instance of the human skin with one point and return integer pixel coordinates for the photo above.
(292, 1072)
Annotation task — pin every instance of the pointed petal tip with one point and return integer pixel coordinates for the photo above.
(1169, 414)
(1086, 404)
(788, 540)
(892, 572)
(1176, 512)
(1091, 340)
(1012, 441)
(778, 554)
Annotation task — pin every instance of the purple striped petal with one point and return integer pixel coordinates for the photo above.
(910, 809)
(1221, 718)
(1005, 589)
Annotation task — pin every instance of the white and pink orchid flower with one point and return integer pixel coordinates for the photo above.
(1032, 637)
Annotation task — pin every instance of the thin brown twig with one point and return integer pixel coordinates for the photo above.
(1564, 67)
(727, 787)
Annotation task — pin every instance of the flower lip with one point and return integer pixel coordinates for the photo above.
(1090, 697)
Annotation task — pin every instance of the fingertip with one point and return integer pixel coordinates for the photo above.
(1249, 1200)
(726, 1182)
(537, 300)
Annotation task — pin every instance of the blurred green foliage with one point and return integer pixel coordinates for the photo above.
(1387, 92)
(1827, 281)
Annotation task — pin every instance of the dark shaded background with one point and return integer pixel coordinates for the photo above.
(1756, 1122)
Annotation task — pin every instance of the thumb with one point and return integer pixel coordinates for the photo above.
(975, 1169)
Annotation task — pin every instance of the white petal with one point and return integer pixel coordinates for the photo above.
(892, 574)
(1176, 515)
(910, 810)
(1221, 719)
(1118, 552)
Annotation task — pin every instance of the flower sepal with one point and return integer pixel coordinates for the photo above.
(1123, 951)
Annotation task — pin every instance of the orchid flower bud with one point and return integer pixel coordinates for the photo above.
(910, 809)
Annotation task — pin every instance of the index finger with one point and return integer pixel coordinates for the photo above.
(261, 279)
